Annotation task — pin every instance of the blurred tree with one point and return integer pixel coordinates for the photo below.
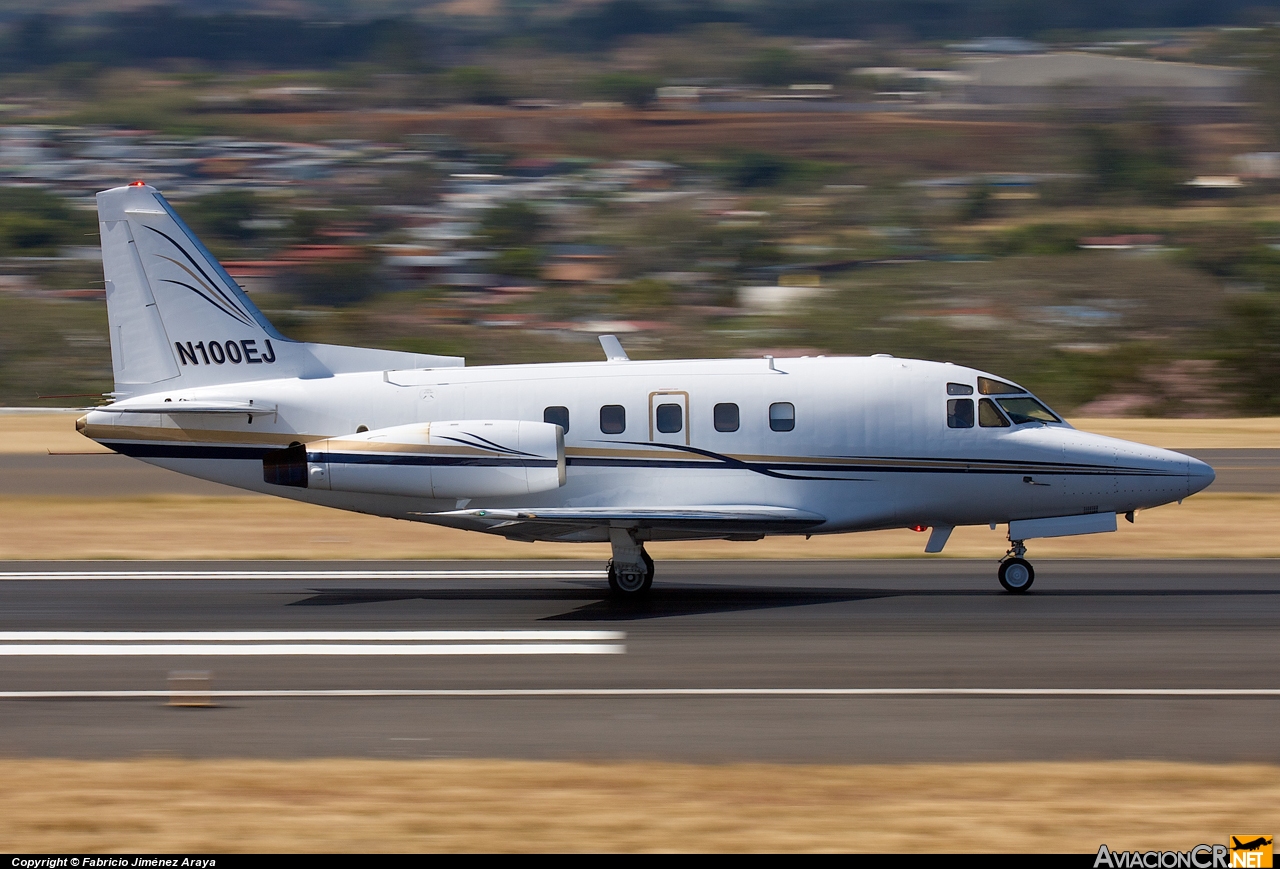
(479, 84)
(305, 225)
(979, 204)
(1037, 239)
(226, 215)
(337, 284)
(777, 67)
(512, 224)
(756, 169)
(24, 235)
(637, 91)
(1142, 159)
(36, 223)
(78, 78)
(1251, 352)
(1227, 250)
(645, 295)
(518, 262)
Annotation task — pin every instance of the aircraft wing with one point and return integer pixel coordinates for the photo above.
(553, 522)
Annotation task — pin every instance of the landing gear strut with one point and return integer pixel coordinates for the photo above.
(631, 568)
(1016, 573)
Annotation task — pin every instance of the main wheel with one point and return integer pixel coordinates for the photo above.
(627, 584)
(1016, 575)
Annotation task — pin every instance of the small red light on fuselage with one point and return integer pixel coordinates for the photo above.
(918, 527)
(138, 184)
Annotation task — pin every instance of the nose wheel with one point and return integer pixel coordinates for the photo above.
(1016, 573)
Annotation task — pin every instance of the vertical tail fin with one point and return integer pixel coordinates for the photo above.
(179, 320)
(173, 310)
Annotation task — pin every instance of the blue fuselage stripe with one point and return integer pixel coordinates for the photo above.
(436, 461)
(945, 466)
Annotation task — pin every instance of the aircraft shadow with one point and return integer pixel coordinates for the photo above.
(595, 605)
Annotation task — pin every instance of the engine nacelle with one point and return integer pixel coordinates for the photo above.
(478, 458)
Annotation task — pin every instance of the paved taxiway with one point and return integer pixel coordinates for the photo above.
(646, 680)
(113, 475)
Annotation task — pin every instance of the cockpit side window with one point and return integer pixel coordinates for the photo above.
(989, 416)
(987, 386)
(959, 389)
(960, 413)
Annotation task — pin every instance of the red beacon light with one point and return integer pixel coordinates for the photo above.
(918, 528)
(137, 184)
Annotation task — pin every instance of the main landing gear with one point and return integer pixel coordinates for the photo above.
(631, 568)
(1016, 573)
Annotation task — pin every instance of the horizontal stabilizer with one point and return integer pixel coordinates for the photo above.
(184, 406)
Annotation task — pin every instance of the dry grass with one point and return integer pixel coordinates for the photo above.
(41, 432)
(172, 806)
(1261, 432)
(182, 527)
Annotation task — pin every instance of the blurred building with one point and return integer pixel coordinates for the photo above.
(1097, 80)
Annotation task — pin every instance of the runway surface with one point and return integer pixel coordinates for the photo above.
(727, 661)
(113, 475)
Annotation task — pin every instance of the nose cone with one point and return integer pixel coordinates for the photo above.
(1199, 476)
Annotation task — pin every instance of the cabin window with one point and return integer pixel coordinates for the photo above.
(670, 418)
(987, 386)
(989, 415)
(959, 389)
(613, 419)
(960, 413)
(725, 417)
(1026, 409)
(782, 416)
(557, 416)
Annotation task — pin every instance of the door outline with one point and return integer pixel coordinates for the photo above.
(687, 423)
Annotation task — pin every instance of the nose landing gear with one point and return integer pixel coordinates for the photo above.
(1016, 573)
(631, 568)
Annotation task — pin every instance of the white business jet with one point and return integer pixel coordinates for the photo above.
(618, 450)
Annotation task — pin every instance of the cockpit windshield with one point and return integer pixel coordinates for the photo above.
(1008, 405)
(987, 386)
(1026, 409)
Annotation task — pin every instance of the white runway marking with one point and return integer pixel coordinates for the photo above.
(303, 574)
(302, 636)
(88, 650)
(276, 643)
(657, 692)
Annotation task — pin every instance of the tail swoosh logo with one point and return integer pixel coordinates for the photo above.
(208, 288)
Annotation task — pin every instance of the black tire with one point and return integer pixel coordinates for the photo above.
(631, 589)
(1016, 575)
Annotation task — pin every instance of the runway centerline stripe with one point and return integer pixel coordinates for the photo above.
(98, 650)
(647, 692)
